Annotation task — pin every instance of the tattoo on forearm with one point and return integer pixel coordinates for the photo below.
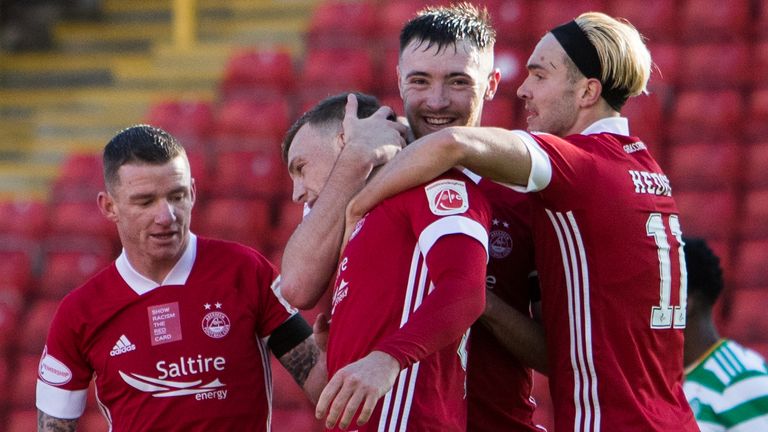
(46, 423)
(300, 360)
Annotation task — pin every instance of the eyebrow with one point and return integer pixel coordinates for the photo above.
(148, 195)
(450, 75)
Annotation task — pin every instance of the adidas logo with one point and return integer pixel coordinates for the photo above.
(122, 346)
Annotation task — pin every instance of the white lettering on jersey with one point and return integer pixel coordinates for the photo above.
(186, 366)
(634, 147)
(52, 370)
(650, 183)
(189, 366)
(122, 346)
(447, 197)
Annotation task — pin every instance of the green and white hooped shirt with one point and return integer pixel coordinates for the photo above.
(728, 389)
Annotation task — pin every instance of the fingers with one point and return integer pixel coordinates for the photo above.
(350, 111)
(365, 413)
(350, 408)
(327, 397)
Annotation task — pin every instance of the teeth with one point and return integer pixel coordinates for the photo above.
(436, 121)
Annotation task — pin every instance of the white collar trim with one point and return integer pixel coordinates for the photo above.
(177, 276)
(615, 125)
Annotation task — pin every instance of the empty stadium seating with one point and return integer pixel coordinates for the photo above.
(339, 24)
(328, 72)
(81, 178)
(511, 61)
(748, 320)
(549, 14)
(700, 115)
(255, 173)
(753, 223)
(24, 218)
(704, 166)
(656, 19)
(757, 114)
(750, 264)
(70, 261)
(702, 20)
(707, 214)
(243, 220)
(645, 120)
(716, 65)
(190, 121)
(755, 174)
(259, 73)
(501, 112)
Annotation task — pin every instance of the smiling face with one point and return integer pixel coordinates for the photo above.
(445, 87)
(152, 205)
(550, 90)
(313, 152)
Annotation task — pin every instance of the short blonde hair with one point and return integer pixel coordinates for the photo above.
(624, 59)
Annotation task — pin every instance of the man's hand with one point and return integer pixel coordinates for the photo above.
(378, 137)
(362, 382)
(320, 330)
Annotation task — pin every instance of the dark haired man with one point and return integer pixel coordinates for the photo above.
(725, 383)
(175, 333)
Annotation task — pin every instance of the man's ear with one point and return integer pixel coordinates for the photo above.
(192, 190)
(590, 92)
(493, 84)
(106, 204)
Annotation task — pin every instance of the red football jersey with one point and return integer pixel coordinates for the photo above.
(613, 281)
(382, 282)
(184, 356)
(506, 407)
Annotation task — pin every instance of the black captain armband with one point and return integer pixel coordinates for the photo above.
(289, 334)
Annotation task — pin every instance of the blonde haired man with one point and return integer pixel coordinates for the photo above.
(606, 227)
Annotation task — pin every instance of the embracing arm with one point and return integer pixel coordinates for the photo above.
(493, 153)
(312, 252)
(47, 423)
(518, 333)
(298, 350)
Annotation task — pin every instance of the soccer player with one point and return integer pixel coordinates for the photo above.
(446, 75)
(409, 283)
(175, 333)
(605, 226)
(725, 383)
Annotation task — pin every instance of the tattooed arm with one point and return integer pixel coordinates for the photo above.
(302, 353)
(46, 423)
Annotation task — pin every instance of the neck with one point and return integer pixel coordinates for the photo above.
(587, 116)
(700, 335)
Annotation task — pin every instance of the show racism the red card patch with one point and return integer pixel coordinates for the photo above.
(164, 323)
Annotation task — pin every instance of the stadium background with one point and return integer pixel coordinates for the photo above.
(228, 77)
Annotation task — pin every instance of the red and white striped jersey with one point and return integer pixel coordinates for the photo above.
(382, 285)
(610, 261)
(187, 355)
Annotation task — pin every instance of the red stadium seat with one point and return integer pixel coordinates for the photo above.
(10, 314)
(337, 24)
(655, 19)
(23, 218)
(667, 58)
(289, 218)
(329, 72)
(706, 116)
(755, 174)
(5, 375)
(703, 20)
(392, 16)
(500, 112)
(80, 217)
(513, 20)
(69, 262)
(24, 380)
(761, 21)
(549, 14)
(754, 216)
(264, 73)
(704, 166)
(246, 221)
(257, 173)
(512, 62)
(747, 321)
(645, 120)
(707, 214)
(189, 121)
(246, 123)
(757, 114)
(388, 82)
(751, 264)
(81, 178)
(22, 420)
(16, 268)
(761, 60)
(37, 319)
(716, 65)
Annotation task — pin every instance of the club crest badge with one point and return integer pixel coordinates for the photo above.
(216, 323)
(499, 244)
